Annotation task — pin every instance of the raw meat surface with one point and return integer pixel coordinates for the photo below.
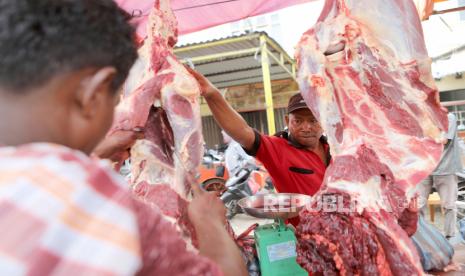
(365, 73)
(163, 98)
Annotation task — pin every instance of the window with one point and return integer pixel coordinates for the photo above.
(461, 3)
(275, 30)
(235, 28)
(264, 23)
(248, 25)
(275, 19)
(261, 22)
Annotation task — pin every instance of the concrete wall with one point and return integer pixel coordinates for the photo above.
(450, 83)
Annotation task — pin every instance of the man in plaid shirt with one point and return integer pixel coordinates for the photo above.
(61, 212)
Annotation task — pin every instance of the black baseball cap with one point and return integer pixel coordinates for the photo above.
(296, 102)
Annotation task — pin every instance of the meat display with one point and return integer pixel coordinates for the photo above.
(364, 71)
(163, 98)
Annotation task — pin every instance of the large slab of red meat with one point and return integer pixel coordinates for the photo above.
(162, 97)
(365, 73)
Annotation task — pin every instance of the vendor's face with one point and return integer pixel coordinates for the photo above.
(304, 127)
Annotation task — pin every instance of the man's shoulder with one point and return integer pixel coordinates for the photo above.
(263, 141)
(72, 189)
(277, 139)
(269, 142)
(43, 163)
(44, 151)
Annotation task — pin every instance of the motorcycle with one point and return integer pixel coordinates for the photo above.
(213, 173)
(246, 182)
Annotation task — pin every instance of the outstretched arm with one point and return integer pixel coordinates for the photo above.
(228, 119)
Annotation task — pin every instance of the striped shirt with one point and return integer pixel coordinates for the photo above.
(62, 213)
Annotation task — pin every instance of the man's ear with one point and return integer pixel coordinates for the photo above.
(94, 90)
(286, 119)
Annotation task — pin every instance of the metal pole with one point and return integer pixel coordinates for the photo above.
(267, 86)
(449, 10)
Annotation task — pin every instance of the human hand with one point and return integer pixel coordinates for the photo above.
(116, 145)
(208, 216)
(206, 207)
(206, 87)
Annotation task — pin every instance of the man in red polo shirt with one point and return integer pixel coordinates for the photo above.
(296, 159)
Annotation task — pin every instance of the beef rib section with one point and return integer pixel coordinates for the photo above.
(162, 97)
(364, 71)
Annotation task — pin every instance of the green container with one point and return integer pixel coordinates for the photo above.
(276, 248)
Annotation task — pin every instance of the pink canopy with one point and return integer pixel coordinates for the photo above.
(201, 14)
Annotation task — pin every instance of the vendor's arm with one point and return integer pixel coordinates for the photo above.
(228, 119)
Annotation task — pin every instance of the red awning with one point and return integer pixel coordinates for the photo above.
(201, 14)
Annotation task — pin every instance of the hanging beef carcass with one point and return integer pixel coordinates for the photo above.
(365, 73)
(163, 98)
